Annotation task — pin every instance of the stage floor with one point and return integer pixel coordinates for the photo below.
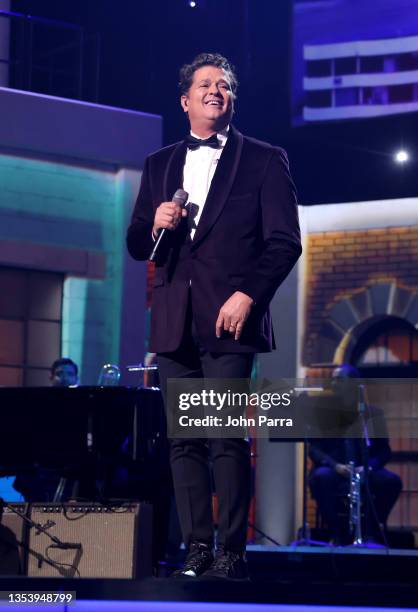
(146, 606)
(283, 578)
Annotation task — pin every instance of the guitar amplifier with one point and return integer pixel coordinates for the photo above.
(98, 541)
(12, 540)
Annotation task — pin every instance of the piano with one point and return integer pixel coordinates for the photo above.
(72, 430)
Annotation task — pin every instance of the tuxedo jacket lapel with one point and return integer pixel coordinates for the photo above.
(173, 175)
(221, 184)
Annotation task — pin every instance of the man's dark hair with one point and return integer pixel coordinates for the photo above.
(206, 59)
(64, 361)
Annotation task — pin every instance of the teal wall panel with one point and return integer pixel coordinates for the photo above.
(47, 202)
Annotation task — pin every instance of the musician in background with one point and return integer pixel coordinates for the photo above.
(41, 484)
(329, 480)
(64, 373)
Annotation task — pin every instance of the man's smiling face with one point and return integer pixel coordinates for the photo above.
(209, 102)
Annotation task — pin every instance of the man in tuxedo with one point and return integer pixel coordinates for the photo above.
(218, 267)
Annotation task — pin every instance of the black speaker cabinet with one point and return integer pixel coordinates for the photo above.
(115, 541)
(12, 540)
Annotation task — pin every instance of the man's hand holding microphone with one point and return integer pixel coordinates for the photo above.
(167, 217)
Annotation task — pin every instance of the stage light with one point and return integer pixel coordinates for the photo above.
(401, 156)
(192, 3)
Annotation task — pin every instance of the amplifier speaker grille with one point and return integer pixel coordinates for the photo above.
(115, 541)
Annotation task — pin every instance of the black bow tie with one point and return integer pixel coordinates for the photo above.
(194, 143)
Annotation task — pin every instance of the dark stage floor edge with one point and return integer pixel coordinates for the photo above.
(284, 576)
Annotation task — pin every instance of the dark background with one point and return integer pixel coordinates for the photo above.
(144, 42)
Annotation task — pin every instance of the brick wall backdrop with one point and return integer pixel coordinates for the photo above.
(352, 276)
(342, 264)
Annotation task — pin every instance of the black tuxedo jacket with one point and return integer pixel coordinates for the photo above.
(247, 239)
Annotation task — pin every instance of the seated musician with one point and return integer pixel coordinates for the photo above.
(40, 484)
(329, 479)
(64, 373)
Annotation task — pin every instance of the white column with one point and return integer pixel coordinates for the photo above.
(277, 483)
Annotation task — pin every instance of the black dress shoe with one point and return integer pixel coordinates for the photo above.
(228, 565)
(198, 560)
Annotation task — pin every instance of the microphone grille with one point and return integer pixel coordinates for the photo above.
(180, 197)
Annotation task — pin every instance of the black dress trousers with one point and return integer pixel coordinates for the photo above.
(190, 458)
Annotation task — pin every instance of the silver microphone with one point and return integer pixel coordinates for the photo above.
(180, 198)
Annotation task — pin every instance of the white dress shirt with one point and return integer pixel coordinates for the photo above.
(199, 168)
